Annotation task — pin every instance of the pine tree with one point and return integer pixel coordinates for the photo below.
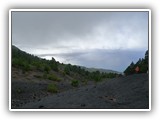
(142, 64)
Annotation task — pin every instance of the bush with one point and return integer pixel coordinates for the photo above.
(47, 68)
(54, 66)
(75, 83)
(53, 77)
(67, 70)
(52, 88)
(96, 76)
(37, 65)
(85, 81)
(15, 62)
(25, 66)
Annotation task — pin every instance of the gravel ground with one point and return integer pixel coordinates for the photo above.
(128, 92)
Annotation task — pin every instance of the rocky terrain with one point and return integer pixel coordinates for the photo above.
(127, 92)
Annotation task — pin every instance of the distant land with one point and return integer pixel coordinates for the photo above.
(100, 70)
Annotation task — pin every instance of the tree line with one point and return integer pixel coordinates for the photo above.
(141, 66)
(28, 62)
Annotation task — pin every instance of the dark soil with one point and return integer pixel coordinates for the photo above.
(127, 92)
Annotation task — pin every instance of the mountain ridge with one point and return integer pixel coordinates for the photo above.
(93, 69)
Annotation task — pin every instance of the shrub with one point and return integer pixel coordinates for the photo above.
(53, 77)
(85, 81)
(67, 70)
(47, 68)
(96, 76)
(54, 66)
(38, 66)
(26, 66)
(15, 62)
(75, 83)
(52, 88)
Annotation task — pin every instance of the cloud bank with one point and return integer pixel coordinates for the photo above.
(85, 38)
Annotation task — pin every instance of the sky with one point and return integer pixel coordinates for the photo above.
(109, 40)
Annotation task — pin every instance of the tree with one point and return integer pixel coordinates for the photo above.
(96, 76)
(130, 69)
(67, 70)
(138, 62)
(47, 68)
(142, 63)
(146, 57)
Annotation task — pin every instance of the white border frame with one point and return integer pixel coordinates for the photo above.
(116, 10)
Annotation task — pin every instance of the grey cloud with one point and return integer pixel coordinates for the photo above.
(51, 28)
(74, 54)
(84, 38)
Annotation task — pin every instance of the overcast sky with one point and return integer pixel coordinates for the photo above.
(110, 40)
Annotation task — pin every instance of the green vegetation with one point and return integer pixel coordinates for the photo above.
(28, 62)
(51, 69)
(85, 82)
(142, 64)
(75, 83)
(96, 76)
(47, 68)
(52, 88)
(54, 64)
(53, 77)
(67, 70)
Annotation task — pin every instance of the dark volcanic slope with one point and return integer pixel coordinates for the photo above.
(130, 92)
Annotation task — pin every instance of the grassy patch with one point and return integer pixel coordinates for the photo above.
(75, 83)
(84, 81)
(53, 77)
(52, 88)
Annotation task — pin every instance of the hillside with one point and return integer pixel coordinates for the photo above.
(33, 78)
(100, 70)
(38, 83)
(131, 92)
